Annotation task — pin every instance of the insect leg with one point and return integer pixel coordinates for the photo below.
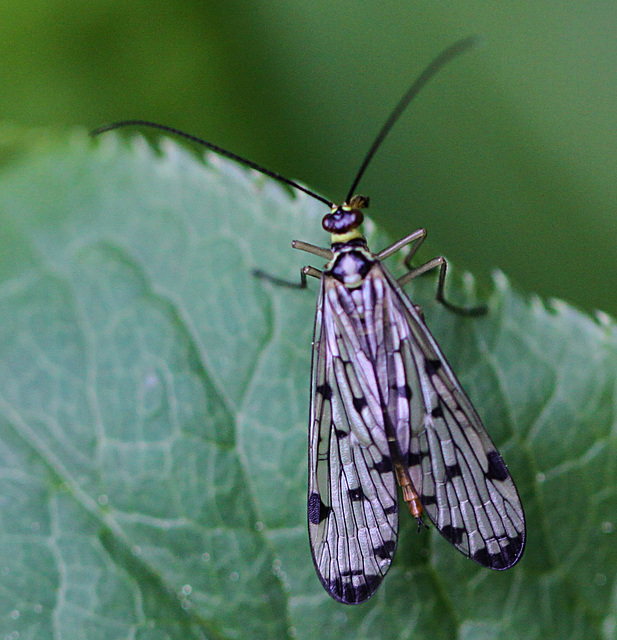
(310, 271)
(443, 267)
(417, 237)
(280, 282)
(305, 271)
(311, 248)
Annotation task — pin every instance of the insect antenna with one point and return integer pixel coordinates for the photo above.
(212, 147)
(431, 70)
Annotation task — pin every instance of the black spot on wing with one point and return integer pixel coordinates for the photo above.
(428, 501)
(386, 550)
(317, 510)
(393, 508)
(454, 535)
(384, 465)
(324, 390)
(356, 494)
(359, 403)
(343, 590)
(341, 433)
(497, 469)
(432, 366)
(415, 459)
(509, 555)
(403, 392)
(437, 412)
(453, 471)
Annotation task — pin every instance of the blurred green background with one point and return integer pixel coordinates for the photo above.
(509, 157)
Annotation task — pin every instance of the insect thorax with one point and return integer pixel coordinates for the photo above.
(351, 262)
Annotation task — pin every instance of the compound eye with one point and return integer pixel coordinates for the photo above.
(342, 220)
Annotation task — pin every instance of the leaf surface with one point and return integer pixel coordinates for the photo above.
(153, 421)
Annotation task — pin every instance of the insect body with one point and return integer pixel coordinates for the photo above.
(386, 408)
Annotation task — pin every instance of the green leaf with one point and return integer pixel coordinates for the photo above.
(153, 421)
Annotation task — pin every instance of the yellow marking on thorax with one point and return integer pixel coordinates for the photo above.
(345, 237)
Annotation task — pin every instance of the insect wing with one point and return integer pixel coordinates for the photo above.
(383, 395)
(352, 504)
(463, 483)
